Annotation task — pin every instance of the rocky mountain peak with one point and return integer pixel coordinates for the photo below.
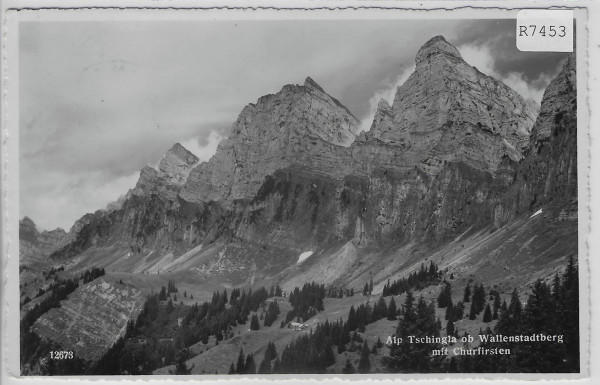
(310, 83)
(289, 127)
(177, 163)
(434, 46)
(173, 170)
(27, 230)
(447, 110)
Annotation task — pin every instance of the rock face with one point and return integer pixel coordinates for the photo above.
(547, 177)
(298, 125)
(451, 155)
(92, 318)
(172, 173)
(449, 111)
(36, 246)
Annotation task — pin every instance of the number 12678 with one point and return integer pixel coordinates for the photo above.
(61, 355)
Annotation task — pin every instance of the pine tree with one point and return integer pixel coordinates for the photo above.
(240, 368)
(467, 294)
(445, 296)
(265, 366)
(364, 365)
(458, 311)
(449, 311)
(271, 352)
(231, 369)
(254, 324)
(348, 367)
(374, 349)
(496, 306)
(392, 311)
(487, 314)
(250, 366)
(473, 311)
(450, 327)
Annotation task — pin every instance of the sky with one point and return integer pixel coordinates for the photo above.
(98, 101)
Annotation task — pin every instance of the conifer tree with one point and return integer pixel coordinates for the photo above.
(231, 369)
(348, 367)
(254, 324)
(449, 311)
(487, 314)
(364, 365)
(265, 366)
(445, 296)
(458, 311)
(450, 327)
(250, 366)
(392, 311)
(467, 294)
(240, 368)
(473, 311)
(496, 306)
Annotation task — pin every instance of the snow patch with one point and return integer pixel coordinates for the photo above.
(536, 213)
(304, 256)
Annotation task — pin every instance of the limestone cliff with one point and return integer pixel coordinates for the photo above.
(446, 158)
(298, 125)
(449, 111)
(547, 177)
(172, 173)
(35, 246)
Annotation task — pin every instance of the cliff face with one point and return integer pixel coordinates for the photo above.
(547, 177)
(451, 155)
(37, 246)
(449, 111)
(172, 173)
(298, 124)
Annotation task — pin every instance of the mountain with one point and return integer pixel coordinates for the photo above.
(547, 177)
(34, 246)
(452, 172)
(293, 176)
(299, 124)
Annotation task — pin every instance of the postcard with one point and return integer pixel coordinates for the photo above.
(295, 193)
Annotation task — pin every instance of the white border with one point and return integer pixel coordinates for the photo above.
(9, 147)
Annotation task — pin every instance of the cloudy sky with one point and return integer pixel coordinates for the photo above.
(100, 100)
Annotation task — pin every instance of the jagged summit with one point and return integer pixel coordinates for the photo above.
(295, 126)
(172, 172)
(436, 45)
(309, 82)
(177, 163)
(449, 111)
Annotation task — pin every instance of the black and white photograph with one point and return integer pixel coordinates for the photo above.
(244, 194)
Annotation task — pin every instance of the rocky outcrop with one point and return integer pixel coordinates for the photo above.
(298, 125)
(172, 173)
(449, 111)
(547, 177)
(37, 246)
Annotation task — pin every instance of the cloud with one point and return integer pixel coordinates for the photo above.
(62, 198)
(205, 150)
(387, 93)
(481, 56)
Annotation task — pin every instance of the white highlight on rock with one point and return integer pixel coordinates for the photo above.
(304, 256)
(536, 213)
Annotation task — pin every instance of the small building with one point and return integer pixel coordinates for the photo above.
(297, 326)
